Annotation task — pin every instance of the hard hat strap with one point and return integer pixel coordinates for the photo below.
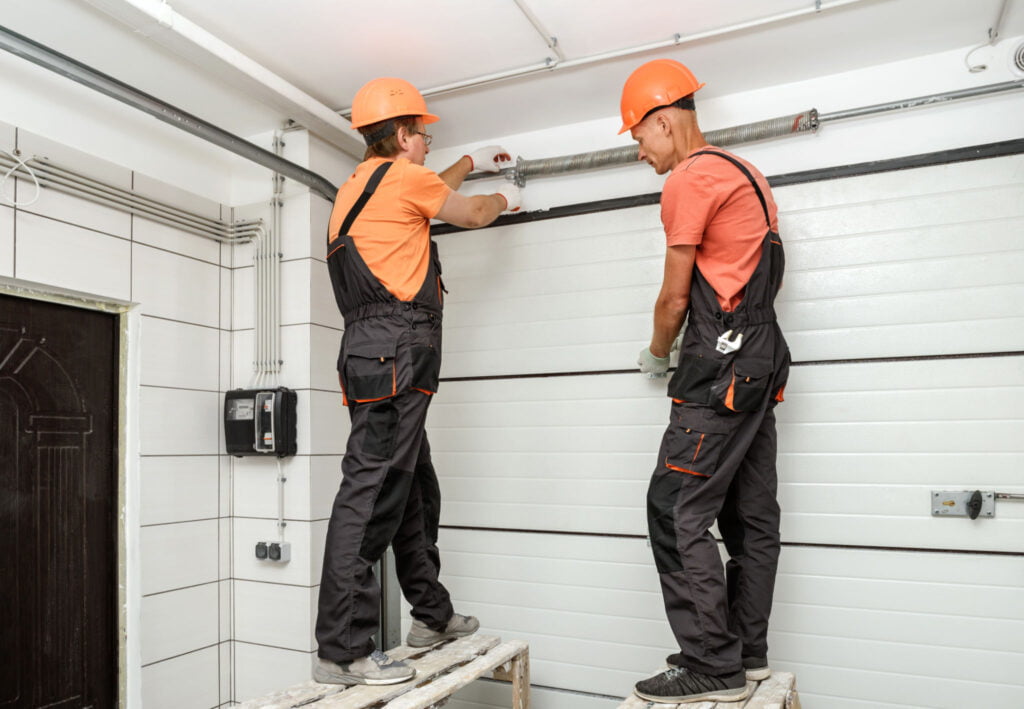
(387, 129)
(686, 103)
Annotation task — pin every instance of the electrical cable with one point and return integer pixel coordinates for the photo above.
(20, 162)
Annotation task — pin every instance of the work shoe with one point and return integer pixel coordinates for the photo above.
(458, 627)
(680, 685)
(756, 668)
(375, 668)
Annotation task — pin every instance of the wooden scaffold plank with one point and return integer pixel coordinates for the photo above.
(440, 671)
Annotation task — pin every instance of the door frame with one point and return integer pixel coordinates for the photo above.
(129, 594)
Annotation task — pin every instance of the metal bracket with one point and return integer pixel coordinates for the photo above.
(963, 503)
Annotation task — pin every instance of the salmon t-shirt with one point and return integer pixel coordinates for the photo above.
(392, 233)
(709, 203)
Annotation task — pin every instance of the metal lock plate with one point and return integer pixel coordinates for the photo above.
(954, 503)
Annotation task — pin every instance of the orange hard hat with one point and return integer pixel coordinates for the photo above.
(659, 82)
(385, 98)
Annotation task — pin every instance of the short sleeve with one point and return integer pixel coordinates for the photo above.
(688, 202)
(424, 190)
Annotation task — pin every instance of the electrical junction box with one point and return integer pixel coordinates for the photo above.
(260, 422)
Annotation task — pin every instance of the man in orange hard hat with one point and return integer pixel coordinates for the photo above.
(387, 282)
(723, 268)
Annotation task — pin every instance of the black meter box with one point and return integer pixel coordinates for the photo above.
(260, 422)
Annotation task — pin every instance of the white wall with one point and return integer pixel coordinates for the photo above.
(181, 287)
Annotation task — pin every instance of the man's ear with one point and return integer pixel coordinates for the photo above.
(663, 123)
(402, 137)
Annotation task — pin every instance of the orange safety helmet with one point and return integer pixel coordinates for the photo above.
(659, 82)
(385, 98)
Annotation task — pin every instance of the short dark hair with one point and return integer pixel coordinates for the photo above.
(386, 146)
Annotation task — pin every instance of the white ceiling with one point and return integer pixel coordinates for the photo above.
(329, 48)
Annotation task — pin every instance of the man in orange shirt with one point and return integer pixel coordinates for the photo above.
(723, 268)
(387, 282)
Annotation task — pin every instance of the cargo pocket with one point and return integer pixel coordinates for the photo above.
(426, 368)
(381, 429)
(743, 385)
(368, 373)
(690, 450)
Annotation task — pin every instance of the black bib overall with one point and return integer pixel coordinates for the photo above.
(717, 462)
(388, 366)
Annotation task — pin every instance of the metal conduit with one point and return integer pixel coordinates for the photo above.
(806, 122)
(771, 128)
(76, 71)
(66, 181)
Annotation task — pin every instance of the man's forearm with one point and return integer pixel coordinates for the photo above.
(668, 319)
(456, 173)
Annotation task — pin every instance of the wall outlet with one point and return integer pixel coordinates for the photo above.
(274, 551)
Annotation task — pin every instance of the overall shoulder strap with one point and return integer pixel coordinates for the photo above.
(745, 171)
(368, 190)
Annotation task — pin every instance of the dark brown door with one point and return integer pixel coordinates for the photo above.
(58, 503)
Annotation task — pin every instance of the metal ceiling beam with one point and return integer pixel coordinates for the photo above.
(76, 71)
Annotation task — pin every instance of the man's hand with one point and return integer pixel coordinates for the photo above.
(513, 196)
(652, 366)
(486, 159)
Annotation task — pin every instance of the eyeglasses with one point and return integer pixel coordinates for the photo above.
(427, 138)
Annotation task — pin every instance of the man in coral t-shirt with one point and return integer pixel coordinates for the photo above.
(386, 277)
(723, 268)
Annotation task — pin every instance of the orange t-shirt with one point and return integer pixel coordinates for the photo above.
(392, 232)
(709, 203)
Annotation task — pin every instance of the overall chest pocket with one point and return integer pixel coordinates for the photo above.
(368, 372)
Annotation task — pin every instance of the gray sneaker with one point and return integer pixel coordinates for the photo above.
(375, 668)
(755, 668)
(458, 627)
(680, 685)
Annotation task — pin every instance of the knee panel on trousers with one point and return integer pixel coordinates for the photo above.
(381, 428)
(387, 513)
(661, 523)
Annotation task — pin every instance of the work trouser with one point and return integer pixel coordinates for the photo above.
(726, 473)
(388, 494)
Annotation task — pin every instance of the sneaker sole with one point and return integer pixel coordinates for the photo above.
(331, 678)
(758, 674)
(424, 642)
(725, 695)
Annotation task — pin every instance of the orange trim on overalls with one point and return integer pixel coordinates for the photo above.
(684, 470)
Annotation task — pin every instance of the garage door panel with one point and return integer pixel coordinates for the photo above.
(970, 176)
(846, 610)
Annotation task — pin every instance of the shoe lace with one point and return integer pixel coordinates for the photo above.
(380, 658)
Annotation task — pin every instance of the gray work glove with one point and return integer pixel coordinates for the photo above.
(652, 366)
(486, 159)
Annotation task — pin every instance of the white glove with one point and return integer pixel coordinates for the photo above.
(486, 159)
(513, 196)
(652, 366)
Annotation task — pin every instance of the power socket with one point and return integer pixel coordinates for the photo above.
(274, 551)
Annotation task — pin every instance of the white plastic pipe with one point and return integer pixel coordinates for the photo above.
(159, 21)
(675, 40)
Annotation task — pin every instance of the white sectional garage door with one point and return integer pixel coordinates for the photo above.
(904, 307)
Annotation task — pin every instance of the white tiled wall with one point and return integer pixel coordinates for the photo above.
(177, 281)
